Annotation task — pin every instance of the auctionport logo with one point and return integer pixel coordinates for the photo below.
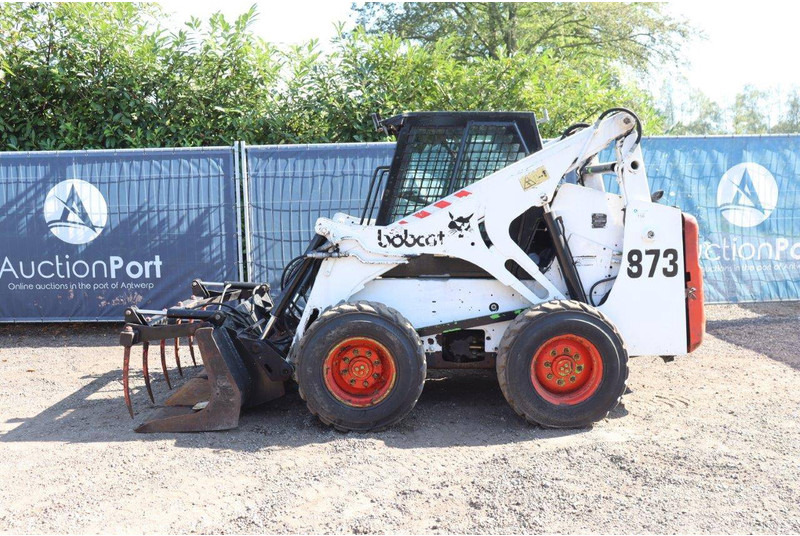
(747, 194)
(75, 211)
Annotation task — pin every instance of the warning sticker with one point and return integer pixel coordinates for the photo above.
(534, 178)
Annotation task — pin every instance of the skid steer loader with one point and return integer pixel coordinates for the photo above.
(488, 250)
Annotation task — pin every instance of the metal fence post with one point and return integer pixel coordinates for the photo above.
(248, 251)
(237, 177)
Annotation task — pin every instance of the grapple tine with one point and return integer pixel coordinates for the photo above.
(164, 362)
(191, 349)
(191, 346)
(178, 357)
(126, 361)
(146, 370)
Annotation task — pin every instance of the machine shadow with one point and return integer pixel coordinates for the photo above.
(59, 335)
(776, 336)
(457, 408)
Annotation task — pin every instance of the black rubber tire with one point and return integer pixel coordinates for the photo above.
(533, 328)
(360, 318)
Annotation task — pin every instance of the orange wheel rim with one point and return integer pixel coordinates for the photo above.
(566, 370)
(360, 372)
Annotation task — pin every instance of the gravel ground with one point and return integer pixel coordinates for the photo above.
(708, 443)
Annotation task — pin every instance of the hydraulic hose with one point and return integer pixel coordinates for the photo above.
(573, 128)
(627, 111)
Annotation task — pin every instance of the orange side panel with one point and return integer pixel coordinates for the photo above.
(695, 313)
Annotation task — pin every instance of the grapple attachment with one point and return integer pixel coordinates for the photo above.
(226, 321)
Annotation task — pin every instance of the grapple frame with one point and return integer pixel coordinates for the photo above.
(240, 370)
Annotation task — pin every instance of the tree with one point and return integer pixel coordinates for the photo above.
(699, 115)
(789, 122)
(107, 75)
(748, 112)
(634, 34)
(80, 76)
(329, 99)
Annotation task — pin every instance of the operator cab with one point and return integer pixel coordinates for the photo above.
(440, 153)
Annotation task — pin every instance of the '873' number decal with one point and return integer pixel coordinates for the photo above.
(637, 264)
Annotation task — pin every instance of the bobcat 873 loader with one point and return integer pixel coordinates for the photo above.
(489, 250)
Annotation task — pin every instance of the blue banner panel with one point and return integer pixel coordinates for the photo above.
(745, 193)
(83, 234)
(290, 186)
(743, 190)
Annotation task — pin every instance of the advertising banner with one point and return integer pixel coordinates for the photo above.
(743, 190)
(745, 193)
(83, 234)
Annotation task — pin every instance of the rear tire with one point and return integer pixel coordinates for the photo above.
(562, 364)
(360, 366)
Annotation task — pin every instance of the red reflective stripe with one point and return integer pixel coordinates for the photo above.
(695, 312)
(422, 214)
(442, 204)
(462, 193)
(402, 222)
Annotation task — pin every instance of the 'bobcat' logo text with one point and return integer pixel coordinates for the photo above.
(409, 240)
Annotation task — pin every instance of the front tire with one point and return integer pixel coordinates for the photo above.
(360, 366)
(562, 364)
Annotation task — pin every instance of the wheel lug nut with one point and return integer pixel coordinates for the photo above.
(369, 353)
(376, 375)
(572, 379)
(577, 357)
(345, 371)
(376, 362)
(346, 359)
(353, 381)
(548, 364)
(579, 368)
(560, 381)
(366, 383)
(553, 353)
(355, 351)
(566, 350)
(549, 376)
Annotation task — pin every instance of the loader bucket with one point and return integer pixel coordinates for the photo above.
(239, 369)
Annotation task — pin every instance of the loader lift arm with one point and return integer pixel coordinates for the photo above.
(491, 205)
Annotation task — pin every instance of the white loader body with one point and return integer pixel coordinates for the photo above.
(632, 243)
